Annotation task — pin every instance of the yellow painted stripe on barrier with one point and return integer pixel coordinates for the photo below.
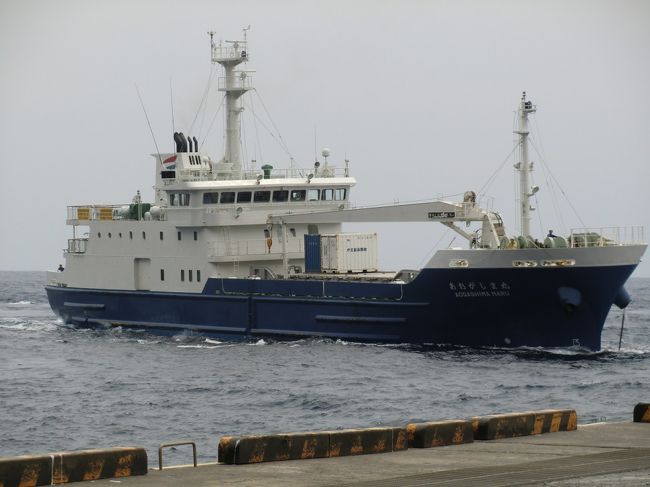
(439, 433)
(511, 425)
(642, 413)
(76, 466)
(238, 450)
(272, 448)
(25, 471)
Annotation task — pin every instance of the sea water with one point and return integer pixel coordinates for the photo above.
(63, 388)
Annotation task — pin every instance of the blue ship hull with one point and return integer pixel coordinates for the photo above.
(557, 307)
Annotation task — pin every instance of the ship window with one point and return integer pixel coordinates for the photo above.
(327, 195)
(182, 274)
(144, 236)
(339, 194)
(280, 196)
(313, 194)
(227, 197)
(293, 232)
(179, 235)
(120, 234)
(244, 197)
(298, 195)
(131, 235)
(162, 274)
(195, 236)
(179, 199)
(99, 234)
(198, 275)
(110, 235)
(262, 196)
(189, 275)
(210, 198)
(161, 235)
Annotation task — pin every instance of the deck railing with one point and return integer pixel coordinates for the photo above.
(77, 245)
(131, 211)
(252, 247)
(255, 174)
(606, 236)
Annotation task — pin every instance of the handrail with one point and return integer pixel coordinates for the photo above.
(176, 443)
(606, 236)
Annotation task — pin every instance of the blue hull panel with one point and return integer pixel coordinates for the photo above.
(544, 307)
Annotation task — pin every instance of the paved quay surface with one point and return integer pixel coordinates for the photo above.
(600, 454)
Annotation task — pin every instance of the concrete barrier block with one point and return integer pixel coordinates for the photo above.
(439, 433)
(360, 441)
(240, 450)
(642, 413)
(75, 466)
(25, 471)
(511, 425)
(400, 439)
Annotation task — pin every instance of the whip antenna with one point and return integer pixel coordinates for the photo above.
(148, 123)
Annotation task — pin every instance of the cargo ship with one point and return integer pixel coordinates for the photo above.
(237, 252)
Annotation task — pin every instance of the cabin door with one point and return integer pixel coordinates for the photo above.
(142, 274)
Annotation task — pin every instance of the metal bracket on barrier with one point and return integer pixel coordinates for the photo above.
(177, 443)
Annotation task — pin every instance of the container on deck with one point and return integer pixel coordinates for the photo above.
(312, 253)
(349, 252)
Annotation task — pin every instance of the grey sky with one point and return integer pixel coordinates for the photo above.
(419, 95)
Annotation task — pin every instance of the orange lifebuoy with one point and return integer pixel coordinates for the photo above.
(269, 243)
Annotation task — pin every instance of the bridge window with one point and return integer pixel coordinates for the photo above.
(210, 198)
(227, 197)
(298, 195)
(339, 194)
(244, 197)
(280, 196)
(327, 194)
(179, 199)
(313, 194)
(262, 196)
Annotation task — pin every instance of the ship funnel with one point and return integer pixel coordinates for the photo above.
(181, 142)
(191, 147)
(196, 144)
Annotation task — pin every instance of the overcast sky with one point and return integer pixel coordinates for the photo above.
(419, 95)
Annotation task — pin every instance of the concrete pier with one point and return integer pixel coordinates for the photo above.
(600, 454)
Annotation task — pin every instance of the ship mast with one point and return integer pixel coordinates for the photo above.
(524, 166)
(230, 54)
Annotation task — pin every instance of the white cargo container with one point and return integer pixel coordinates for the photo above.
(349, 252)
